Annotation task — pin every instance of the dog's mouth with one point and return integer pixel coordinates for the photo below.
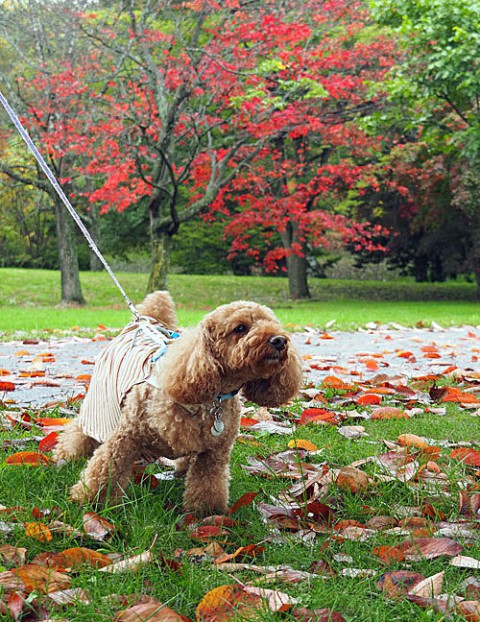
(275, 357)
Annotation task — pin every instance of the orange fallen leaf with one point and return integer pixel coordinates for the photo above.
(412, 440)
(389, 554)
(42, 579)
(352, 480)
(5, 372)
(466, 455)
(369, 399)
(7, 386)
(371, 365)
(332, 382)
(49, 442)
(469, 609)
(81, 556)
(38, 531)
(250, 550)
(246, 422)
(32, 374)
(51, 421)
(226, 602)
(34, 458)
(301, 443)
(389, 412)
(22, 353)
(83, 378)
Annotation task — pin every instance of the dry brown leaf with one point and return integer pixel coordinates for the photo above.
(149, 612)
(131, 564)
(429, 548)
(12, 555)
(429, 587)
(469, 609)
(399, 582)
(462, 561)
(97, 527)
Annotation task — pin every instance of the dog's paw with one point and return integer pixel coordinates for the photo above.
(202, 506)
(80, 493)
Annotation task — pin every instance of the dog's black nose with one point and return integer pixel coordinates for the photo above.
(278, 342)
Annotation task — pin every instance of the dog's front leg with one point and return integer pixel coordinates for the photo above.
(207, 482)
(109, 469)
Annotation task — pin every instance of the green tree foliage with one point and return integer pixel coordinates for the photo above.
(435, 98)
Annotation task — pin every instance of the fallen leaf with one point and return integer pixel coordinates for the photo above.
(429, 587)
(389, 554)
(97, 527)
(131, 564)
(389, 412)
(244, 500)
(149, 612)
(49, 442)
(469, 609)
(224, 603)
(318, 415)
(12, 555)
(468, 456)
(429, 548)
(38, 531)
(352, 480)
(462, 561)
(42, 579)
(33, 458)
(412, 440)
(399, 582)
(7, 386)
(302, 444)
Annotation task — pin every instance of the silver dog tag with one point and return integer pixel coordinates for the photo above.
(218, 427)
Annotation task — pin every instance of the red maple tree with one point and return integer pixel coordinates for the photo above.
(245, 110)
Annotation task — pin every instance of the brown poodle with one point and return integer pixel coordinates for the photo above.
(185, 404)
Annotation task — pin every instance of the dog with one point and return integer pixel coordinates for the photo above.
(183, 405)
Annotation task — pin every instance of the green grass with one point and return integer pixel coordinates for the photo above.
(148, 516)
(29, 300)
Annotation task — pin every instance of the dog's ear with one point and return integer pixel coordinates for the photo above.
(190, 373)
(281, 386)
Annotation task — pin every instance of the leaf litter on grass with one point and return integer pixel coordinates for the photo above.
(435, 519)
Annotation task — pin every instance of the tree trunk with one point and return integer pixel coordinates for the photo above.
(296, 264)
(68, 256)
(161, 242)
(297, 277)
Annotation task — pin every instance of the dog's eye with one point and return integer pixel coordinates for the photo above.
(241, 328)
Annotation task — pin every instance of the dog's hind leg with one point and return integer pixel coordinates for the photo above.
(109, 469)
(73, 443)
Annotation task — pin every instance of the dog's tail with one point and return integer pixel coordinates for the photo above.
(160, 306)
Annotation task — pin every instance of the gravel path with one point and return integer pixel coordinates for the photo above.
(390, 350)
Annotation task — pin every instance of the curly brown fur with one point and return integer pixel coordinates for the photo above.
(238, 346)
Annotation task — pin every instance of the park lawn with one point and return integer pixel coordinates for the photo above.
(29, 301)
(343, 560)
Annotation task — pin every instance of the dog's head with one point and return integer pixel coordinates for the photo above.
(239, 345)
